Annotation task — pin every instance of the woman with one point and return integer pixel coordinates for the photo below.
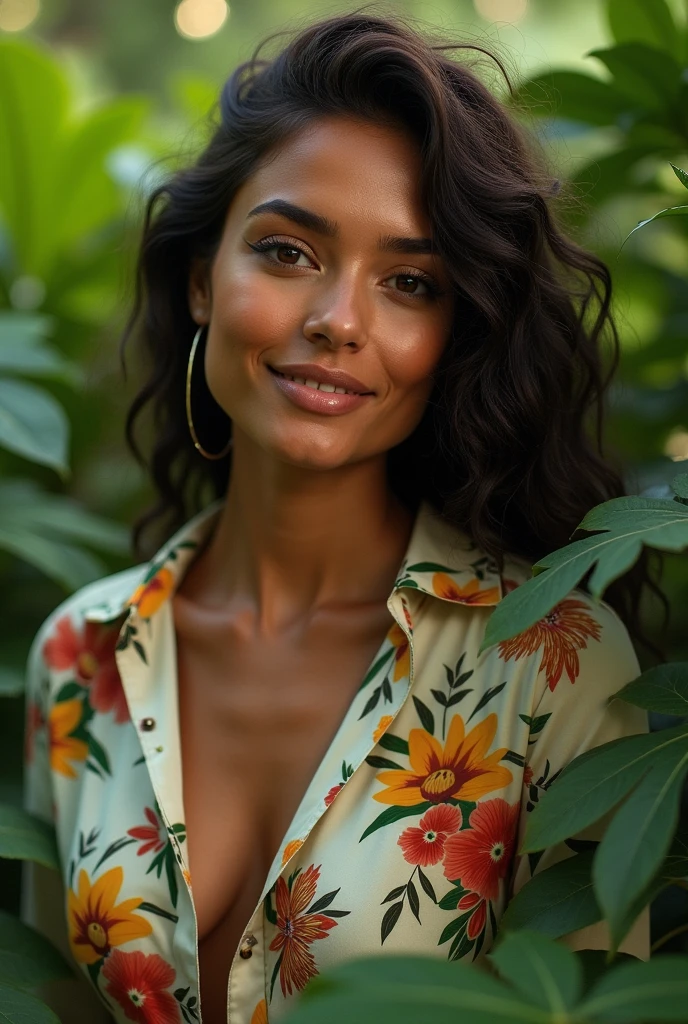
(273, 745)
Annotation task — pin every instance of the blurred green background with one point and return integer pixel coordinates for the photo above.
(98, 99)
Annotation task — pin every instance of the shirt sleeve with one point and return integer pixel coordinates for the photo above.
(591, 659)
(43, 896)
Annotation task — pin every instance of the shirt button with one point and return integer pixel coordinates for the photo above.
(245, 951)
(147, 724)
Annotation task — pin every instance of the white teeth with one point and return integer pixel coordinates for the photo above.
(318, 387)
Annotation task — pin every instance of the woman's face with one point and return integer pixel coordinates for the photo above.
(325, 259)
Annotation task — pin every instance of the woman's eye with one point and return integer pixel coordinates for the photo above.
(284, 253)
(289, 254)
(411, 284)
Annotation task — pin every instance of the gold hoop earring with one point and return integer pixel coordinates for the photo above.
(189, 417)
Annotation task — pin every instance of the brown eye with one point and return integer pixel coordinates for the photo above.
(407, 283)
(287, 253)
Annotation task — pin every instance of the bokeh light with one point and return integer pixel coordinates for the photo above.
(16, 15)
(510, 11)
(676, 446)
(198, 19)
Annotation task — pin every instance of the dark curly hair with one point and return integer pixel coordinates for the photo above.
(510, 445)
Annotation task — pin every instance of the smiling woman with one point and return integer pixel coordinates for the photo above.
(373, 357)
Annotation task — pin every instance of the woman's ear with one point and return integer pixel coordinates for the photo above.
(199, 290)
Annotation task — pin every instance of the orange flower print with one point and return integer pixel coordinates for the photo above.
(479, 855)
(64, 717)
(476, 921)
(381, 726)
(292, 846)
(562, 632)
(90, 654)
(445, 586)
(260, 1014)
(152, 835)
(139, 982)
(402, 664)
(461, 770)
(96, 923)
(148, 597)
(297, 929)
(424, 845)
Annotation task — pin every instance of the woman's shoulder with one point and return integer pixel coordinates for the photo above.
(99, 602)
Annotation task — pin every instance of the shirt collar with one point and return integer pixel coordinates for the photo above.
(440, 560)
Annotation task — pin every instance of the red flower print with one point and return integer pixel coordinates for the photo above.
(424, 845)
(138, 981)
(479, 856)
(562, 632)
(477, 920)
(90, 654)
(332, 793)
(34, 722)
(152, 836)
(527, 775)
(296, 929)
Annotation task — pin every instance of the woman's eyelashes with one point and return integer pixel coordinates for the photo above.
(289, 254)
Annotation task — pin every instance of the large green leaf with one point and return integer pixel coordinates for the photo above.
(628, 523)
(27, 959)
(23, 348)
(47, 530)
(17, 1007)
(594, 782)
(572, 95)
(407, 990)
(546, 973)
(638, 838)
(647, 76)
(680, 174)
(23, 836)
(33, 424)
(655, 990)
(644, 21)
(556, 901)
(663, 688)
(671, 211)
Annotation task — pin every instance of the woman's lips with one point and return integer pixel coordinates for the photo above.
(315, 400)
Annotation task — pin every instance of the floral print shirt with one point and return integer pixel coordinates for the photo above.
(405, 839)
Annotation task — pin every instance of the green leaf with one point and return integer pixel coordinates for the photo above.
(679, 485)
(23, 836)
(647, 76)
(425, 714)
(33, 425)
(645, 21)
(683, 178)
(627, 522)
(542, 970)
(23, 349)
(17, 1007)
(11, 682)
(392, 814)
(592, 784)
(27, 959)
(375, 668)
(638, 838)
(450, 900)
(671, 211)
(485, 699)
(655, 990)
(395, 743)
(663, 688)
(556, 901)
(407, 990)
(571, 95)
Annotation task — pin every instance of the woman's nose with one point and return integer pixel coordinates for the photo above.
(339, 316)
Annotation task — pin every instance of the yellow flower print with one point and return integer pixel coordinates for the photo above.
(260, 1014)
(291, 847)
(445, 586)
(64, 717)
(148, 597)
(381, 726)
(460, 771)
(95, 923)
(397, 637)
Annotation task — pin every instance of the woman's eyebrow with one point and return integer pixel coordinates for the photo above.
(324, 226)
